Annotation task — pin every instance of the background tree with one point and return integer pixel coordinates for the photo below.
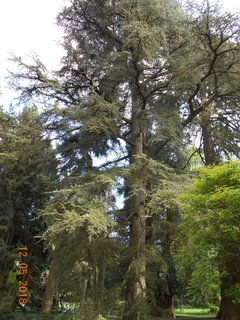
(211, 218)
(210, 80)
(28, 172)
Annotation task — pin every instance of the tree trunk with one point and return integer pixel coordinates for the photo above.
(50, 288)
(7, 264)
(83, 292)
(164, 300)
(95, 286)
(136, 284)
(3, 285)
(228, 309)
(99, 275)
(56, 297)
(208, 143)
(165, 303)
(102, 276)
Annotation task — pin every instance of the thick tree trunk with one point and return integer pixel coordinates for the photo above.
(137, 268)
(136, 284)
(228, 309)
(164, 300)
(50, 288)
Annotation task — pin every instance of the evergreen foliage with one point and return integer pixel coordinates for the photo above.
(28, 172)
(138, 80)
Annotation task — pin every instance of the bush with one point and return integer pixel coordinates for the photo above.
(100, 317)
(213, 310)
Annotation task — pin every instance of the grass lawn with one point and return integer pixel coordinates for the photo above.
(196, 313)
(31, 315)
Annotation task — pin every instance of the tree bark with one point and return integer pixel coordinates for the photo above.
(95, 286)
(208, 143)
(50, 288)
(101, 277)
(228, 309)
(3, 285)
(165, 300)
(136, 283)
(83, 292)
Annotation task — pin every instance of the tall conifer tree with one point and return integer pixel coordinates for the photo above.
(134, 76)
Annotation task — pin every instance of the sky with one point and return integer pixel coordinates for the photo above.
(29, 26)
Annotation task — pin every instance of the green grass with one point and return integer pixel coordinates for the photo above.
(196, 313)
(31, 315)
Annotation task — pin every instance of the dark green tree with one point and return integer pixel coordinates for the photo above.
(114, 66)
(27, 174)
